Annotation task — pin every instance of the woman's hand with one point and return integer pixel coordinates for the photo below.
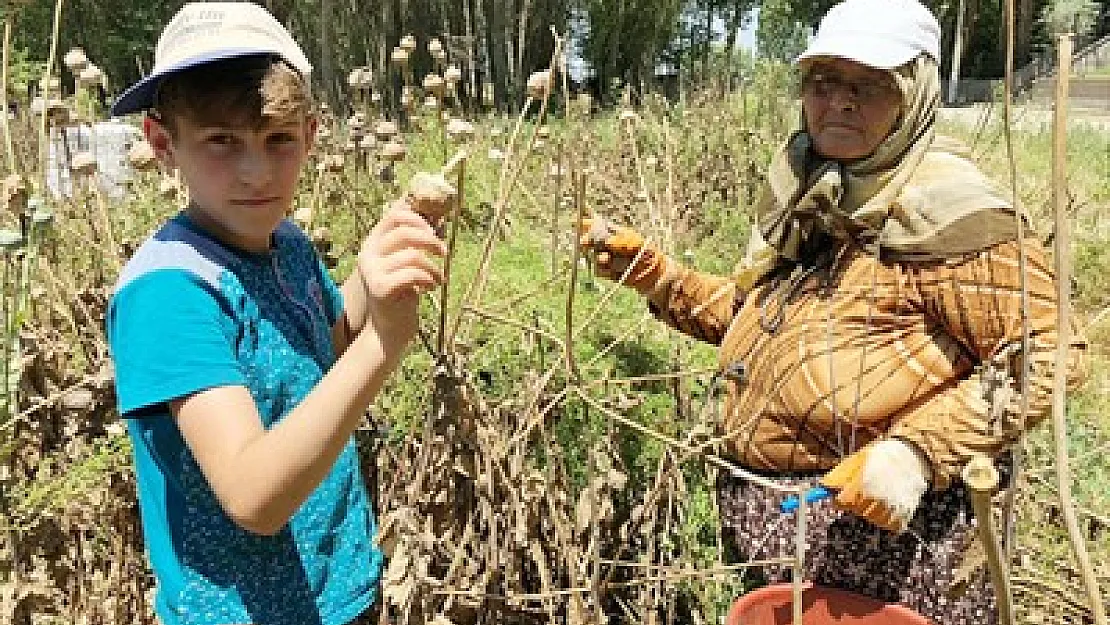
(617, 248)
(883, 483)
(396, 266)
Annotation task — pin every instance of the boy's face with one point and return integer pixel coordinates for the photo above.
(241, 180)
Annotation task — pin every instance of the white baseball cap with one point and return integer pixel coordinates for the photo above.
(878, 33)
(203, 32)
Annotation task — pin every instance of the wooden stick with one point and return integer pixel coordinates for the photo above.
(44, 139)
(1018, 453)
(1063, 329)
(798, 566)
(982, 481)
(9, 150)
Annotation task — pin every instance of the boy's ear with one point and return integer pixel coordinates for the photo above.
(160, 140)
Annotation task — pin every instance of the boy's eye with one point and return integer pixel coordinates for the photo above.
(220, 139)
(282, 137)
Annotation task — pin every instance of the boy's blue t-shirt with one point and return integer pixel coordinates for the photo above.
(190, 314)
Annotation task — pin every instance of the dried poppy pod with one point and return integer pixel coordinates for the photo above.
(333, 163)
(385, 130)
(75, 60)
(539, 84)
(350, 146)
(83, 163)
(354, 78)
(51, 85)
(375, 97)
(399, 56)
(15, 193)
(368, 142)
(543, 132)
(434, 84)
(169, 187)
(42, 220)
(78, 400)
(435, 46)
(408, 43)
(356, 123)
(431, 103)
(393, 152)
(452, 75)
(10, 240)
(303, 214)
(628, 115)
(58, 112)
(141, 155)
(459, 130)
(360, 78)
(407, 101)
(431, 195)
(91, 76)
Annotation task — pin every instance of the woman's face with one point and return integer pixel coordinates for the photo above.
(849, 108)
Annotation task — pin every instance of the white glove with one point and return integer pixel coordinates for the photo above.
(883, 483)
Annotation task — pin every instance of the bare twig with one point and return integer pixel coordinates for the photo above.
(1063, 332)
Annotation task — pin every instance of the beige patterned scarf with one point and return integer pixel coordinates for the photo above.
(917, 196)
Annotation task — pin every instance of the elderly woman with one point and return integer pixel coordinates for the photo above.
(872, 337)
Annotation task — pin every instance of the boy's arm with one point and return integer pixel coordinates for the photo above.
(353, 316)
(261, 477)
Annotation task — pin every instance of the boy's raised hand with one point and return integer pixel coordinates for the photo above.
(396, 264)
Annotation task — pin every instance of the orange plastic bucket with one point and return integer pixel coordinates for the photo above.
(772, 605)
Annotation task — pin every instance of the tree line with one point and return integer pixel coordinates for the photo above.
(497, 44)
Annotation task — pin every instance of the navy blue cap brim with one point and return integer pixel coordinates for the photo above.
(140, 96)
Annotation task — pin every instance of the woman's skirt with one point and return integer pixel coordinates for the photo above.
(917, 568)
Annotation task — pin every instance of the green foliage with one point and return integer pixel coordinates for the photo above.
(1070, 16)
(23, 72)
(783, 31)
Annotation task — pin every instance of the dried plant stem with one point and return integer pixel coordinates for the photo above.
(982, 481)
(690, 373)
(618, 284)
(9, 149)
(798, 564)
(1017, 455)
(641, 180)
(1063, 331)
(513, 323)
(578, 181)
(631, 330)
(44, 151)
(674, 575)
(710, 458)
(512, 302)
(511, 169)
(458, 164)
(539, 417)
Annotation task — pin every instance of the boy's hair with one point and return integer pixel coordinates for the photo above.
(243, 91)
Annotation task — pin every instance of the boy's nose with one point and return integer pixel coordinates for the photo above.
(253, 168)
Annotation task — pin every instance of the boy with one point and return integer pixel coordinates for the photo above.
(242, 370)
